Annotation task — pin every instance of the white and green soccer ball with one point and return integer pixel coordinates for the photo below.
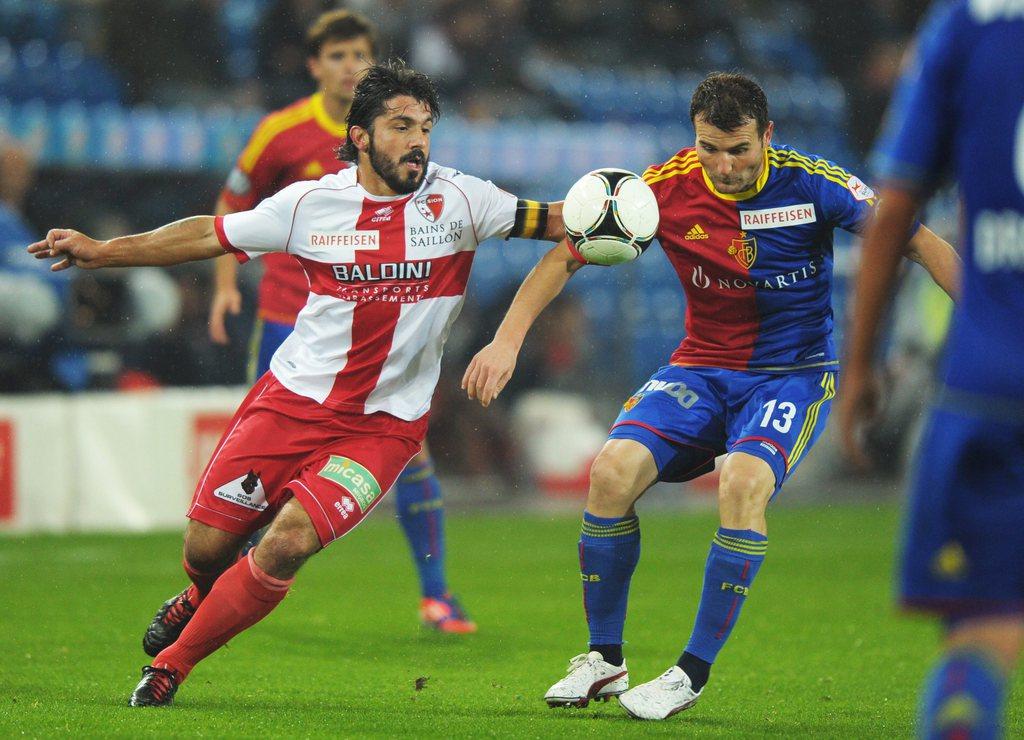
(610, 216)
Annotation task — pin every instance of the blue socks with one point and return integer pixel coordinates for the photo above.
(963, 697)
(609, 552)
(420, 509)
(736, 556)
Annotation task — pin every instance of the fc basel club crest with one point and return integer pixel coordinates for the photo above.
(744, 250)
(430, 206)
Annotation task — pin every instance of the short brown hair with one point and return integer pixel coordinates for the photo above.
(727, 100)
(339, 25)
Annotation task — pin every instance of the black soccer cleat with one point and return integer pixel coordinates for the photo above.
(168, 623)
(156, 689)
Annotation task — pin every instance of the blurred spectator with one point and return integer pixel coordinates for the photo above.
(168, 51)
(30, 295)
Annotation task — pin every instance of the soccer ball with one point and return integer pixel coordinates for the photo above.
(610, 216)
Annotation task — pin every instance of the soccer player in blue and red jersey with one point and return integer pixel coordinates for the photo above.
(748, 228)
(294, 144)
(960, 108)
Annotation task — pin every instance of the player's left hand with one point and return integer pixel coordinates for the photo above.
(857, 405)
(73, 247)
(489, 371)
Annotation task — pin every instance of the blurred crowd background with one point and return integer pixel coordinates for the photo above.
(119, 115)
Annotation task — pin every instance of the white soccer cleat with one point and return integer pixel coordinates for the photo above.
(590, 677)
(668, 694)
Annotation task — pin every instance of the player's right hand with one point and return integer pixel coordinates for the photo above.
(224, 302)
(489, 371)
(74, 249)
(856, 406)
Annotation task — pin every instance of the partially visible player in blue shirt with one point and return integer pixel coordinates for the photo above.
(960, 109)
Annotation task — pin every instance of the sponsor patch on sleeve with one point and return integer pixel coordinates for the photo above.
(859, 188)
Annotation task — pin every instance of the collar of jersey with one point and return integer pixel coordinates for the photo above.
(324, 120)
(746, 194)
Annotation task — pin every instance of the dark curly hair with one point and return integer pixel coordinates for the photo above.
(727, 100)
(381, 83)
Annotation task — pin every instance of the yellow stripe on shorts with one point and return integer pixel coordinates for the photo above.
(828, 384)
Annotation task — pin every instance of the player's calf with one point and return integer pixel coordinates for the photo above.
(289, 542)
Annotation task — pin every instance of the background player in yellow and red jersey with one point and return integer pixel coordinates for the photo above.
(294, 144)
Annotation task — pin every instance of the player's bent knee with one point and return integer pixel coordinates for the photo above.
(612, 483)
(208, 549)
(289, 542)
(745, 489)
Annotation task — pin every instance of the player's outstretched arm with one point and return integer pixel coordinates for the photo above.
(182, 241)
(554, 231)
(491, 367)
(227, 299)
(937, 256)
(883, 248)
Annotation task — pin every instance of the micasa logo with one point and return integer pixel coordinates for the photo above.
(590, 577)
(735, 588)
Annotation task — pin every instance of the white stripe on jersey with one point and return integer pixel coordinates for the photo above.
(317, 350)
(410, 373)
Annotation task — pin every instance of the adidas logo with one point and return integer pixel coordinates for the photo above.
(383, 214)
(696, 233)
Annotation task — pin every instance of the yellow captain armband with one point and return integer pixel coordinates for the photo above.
(531, 219)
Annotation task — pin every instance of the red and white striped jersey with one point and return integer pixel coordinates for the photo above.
(387, 278)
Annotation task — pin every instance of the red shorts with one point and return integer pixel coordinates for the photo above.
(280, 444)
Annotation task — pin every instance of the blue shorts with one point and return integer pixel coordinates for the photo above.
(267, 336)
(687, 416)
(963, 544)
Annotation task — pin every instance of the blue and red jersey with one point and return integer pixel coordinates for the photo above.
(756, 266)
(959, 109)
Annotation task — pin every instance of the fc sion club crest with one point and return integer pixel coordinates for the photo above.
(430, 206)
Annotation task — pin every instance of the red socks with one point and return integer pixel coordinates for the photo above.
(241, 597)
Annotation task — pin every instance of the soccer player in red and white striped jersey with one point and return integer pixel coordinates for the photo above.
(387, 247)
(291, 145)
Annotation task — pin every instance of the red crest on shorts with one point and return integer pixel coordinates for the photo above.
(430, 206)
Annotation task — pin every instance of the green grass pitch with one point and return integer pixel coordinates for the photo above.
(820, 649)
